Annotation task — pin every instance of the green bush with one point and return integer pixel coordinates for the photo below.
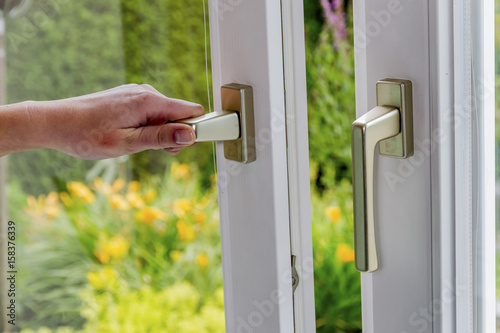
(331, 106)
(115, 237)
(336, 282)
(174, 309)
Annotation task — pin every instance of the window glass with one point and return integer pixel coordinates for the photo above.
(497, 152)
(331, 105)
(120, 245)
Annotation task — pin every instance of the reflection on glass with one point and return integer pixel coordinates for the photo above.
(330, 84)
(121, 245)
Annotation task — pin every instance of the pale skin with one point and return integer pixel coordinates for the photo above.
(111, 123)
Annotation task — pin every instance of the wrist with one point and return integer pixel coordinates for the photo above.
(21, 127)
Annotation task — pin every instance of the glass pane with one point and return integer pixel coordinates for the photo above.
(120, 245)
(330, 86)
(497, 152)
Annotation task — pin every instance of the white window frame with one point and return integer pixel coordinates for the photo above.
(448, 52)
(265, 205)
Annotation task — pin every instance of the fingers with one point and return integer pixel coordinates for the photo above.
(170, 137)
(172, 151)
(177, 108)
(180, 109)
(158, 109)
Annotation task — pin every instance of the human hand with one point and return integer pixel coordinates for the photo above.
(123, 120)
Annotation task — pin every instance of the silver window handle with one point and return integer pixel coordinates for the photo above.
(390, 124)
(234, 125)
(215, 126)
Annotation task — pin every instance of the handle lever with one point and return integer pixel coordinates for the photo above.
(215, 126)
(390, 124)
(234, 125)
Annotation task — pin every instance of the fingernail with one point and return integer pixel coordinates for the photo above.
(184, 137)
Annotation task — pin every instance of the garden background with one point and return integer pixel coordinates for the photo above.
(132, 244)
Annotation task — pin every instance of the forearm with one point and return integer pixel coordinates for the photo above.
(123, 120)
(21, 127)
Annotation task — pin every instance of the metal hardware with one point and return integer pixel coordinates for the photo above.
(397, 93)
(391, 124)
(239, 98)
(235, 125)
(215, 126)
(295, 275)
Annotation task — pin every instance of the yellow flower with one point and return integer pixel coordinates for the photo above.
(66, 199)
(344, 253)
(97, 183)
(148, 215)
(48, 205)
(186, 233)
(81, 191)
(102, 255)
(95, 280)
(180, 171)
(102, 279)
(205, 201)
(118, 202)
(51, 205)
(150, 195)
(200, 219)
(333, 213)
(135, 200)
(175, 255)
(115, 248)
(134, 186)
(202, 261)
(181, 207)
(102, 187)
(118, 185)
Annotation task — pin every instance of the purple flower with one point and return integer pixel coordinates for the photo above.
(335, 18)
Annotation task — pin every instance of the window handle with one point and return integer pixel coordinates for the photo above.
(234, 125)
(215, 126)
(390, 124)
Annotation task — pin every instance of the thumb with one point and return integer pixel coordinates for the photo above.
(166, 136)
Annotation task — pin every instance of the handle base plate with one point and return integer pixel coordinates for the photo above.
(397, 93)
(239, 98)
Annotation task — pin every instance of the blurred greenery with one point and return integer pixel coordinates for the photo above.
(88, 251)
(337, 284)
(331, 107)
(100, 255)
(95, 258)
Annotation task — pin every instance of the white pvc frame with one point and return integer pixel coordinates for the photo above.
(463, 169)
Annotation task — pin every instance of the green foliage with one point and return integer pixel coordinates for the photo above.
(119, 242)
(174, 309)
(313, 21)
(62, 49)
(164, 46)
(336, 282)
(331, 108)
